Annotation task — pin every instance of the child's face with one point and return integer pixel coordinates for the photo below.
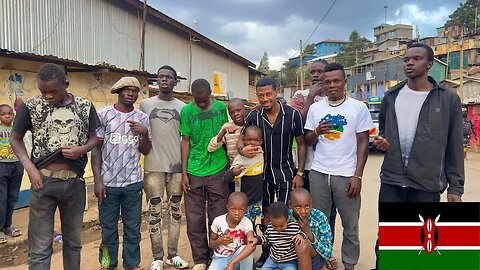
(301, 206)
(279, 224)
(236, 210)
(202, 99)
(6, 115)
(253, 137)
(236, 111)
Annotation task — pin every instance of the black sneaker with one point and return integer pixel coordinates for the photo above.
(261, 260)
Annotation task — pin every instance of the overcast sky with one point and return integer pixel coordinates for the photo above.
(251, 27)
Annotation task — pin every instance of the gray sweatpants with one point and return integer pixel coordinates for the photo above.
(322, 187)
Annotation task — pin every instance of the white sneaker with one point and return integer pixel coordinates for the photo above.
(180, 263)
(156, 265)
(201, 266)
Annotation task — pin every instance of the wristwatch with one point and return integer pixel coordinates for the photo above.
(300, 174)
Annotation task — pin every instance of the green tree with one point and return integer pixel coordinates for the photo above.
(465, 15)
(263, 66)
(310, 49)
(351, 52)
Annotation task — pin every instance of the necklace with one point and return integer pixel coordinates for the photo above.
(336, 105)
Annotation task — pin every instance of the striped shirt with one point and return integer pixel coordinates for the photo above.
(277, 141)
(282, 245)
(230, 140)
(120, 154)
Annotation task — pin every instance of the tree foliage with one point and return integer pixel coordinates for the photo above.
(310, 49)
(465, 15)
(263, 66)
(351, 52)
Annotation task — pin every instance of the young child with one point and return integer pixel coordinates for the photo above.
(317, 252)
(11, 173)
(282, 235)
(232, 236)
(250, 170)
(229, 134)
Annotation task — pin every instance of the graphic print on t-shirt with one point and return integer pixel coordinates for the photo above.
(6, 151)
(335, 131)
(164, 114)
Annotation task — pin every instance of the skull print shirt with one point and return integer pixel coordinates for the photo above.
(55, 126)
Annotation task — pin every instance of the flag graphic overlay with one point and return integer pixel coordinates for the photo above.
(429, 236)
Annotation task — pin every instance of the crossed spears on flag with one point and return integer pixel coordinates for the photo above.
(429, 235)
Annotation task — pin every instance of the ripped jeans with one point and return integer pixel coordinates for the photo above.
(155, 184)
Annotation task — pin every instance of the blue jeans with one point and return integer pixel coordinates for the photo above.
(219, 263)
(270, 265)
(128, 201)
(69, 196)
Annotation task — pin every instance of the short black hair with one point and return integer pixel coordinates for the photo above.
(321, 61)
(50, 71)
(254, 128)
(333, 67)
(200, 86)
(299, 191)
(265, 81)
(278, 210)
(5, 105)
(237, 195)
(169, 68)
(235, 100)
(430, 55)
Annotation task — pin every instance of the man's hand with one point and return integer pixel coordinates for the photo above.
(299, 240)
(73, 152)
(297, 182)
(381, 143)
(230, 128)
(324, 127)
(238, 169)
(315, 89)
(354, 185)
(138, 128)
(250, 150)
(453, 198)
(185, 183)
(225, 239)
(36, 178)
(100, 191)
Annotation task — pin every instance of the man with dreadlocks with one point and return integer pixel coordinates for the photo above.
(63, 131)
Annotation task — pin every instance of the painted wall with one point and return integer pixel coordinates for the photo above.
(327, 48)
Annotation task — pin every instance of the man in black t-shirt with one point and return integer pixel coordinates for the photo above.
(63, 131)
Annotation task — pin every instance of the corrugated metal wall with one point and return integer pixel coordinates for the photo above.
(95, 31)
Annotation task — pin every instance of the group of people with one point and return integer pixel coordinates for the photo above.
(230, 174)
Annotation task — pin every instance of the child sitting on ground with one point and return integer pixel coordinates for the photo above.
(282, 235)
(251, 172)
(232, 236)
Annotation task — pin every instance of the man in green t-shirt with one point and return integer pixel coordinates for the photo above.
(202, 171)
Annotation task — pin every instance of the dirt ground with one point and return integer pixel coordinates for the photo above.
(13, 255)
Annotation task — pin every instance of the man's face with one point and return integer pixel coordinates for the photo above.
(166, 81)
(128, 95)
(267, 96)
(237, 113)
(415, 62)
(334, 83)
(301, 206)
(6, 115)
(202, 99)
(53, 91)
(317, 72)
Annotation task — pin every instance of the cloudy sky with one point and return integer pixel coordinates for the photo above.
(252, 27)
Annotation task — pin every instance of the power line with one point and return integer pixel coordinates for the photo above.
(320, 22)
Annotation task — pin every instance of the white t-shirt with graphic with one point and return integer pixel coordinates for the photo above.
(336, 151)
(220, 227)
(120, 154)
(407, 107)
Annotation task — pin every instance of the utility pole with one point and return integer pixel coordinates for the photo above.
(476, 17)
(385, 7)
(142, 53)
(461, 68)
(448, 57)
(301, 65)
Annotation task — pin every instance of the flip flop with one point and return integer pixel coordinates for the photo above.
(331, 264)
(3, 239)
(13, 232)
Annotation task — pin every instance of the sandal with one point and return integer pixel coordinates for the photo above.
(331, 264)
(3, 239)
(13, 232)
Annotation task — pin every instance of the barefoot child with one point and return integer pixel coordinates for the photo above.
(232, 236)
(251, 172)
(11, 173)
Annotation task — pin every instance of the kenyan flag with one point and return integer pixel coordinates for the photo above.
(429, 236)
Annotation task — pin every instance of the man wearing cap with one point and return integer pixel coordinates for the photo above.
(63, 131)
(123, 134)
